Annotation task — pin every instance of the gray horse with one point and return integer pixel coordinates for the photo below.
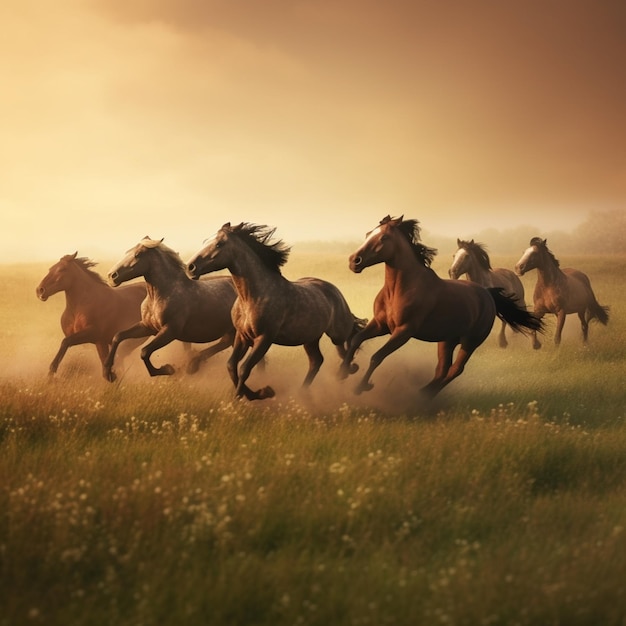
(271, 309)
(175, 307)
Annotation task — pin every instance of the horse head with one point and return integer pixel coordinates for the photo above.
(530, 259)
(57, 279)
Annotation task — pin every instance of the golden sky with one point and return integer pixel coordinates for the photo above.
(121, 118)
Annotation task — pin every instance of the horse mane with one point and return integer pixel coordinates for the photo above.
(257, 237)
(86, 264)
(167, 252)
(478, 250)
(543, 245)
(412, 231)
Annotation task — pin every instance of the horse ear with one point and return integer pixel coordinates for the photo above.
(385, 220)
(239, 226)
(472, 241)
(75, 254)
(226, 226)
(545, 242)
(458, 242)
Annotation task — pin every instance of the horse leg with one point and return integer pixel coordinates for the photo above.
(584, 324)
(502, 342)
(455, 370)
(162, 338)
(533, 335)
(445, 349)
(260, 346)
(398, 338)
(137, 331)
(223, 343)
(87, 335)
(315, 361)
(240, 347)
(560, 321)
(373, 329)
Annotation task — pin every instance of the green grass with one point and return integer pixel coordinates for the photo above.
(164, 501)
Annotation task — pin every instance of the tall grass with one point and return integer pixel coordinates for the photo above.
(164, 501)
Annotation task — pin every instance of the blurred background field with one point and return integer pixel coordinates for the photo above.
(164, 501)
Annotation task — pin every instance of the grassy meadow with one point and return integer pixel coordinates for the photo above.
(161, 502)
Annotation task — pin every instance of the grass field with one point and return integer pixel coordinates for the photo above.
(165, 502)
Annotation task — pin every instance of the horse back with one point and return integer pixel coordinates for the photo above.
(509, 282)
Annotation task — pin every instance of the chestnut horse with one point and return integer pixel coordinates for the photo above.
(415, 303)
(472, 259)
(271, 309)
(94, 311)
(560, 291)
(175, 307)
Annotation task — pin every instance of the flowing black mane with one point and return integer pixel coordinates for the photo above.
(86, 264)
(542, 244)
(273, 254)
(478, 250)
(411, 230)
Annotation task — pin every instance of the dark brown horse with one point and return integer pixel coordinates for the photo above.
(415, 303)
(471, 258)
(560, 291)
(94, 311)
(271, 309)
(175, 307)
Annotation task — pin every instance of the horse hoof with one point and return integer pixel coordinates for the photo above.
(110, 375)
(363, 387)
(266, 392)
(354, 368)
(166, 370)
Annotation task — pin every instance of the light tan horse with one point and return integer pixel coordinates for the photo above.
(415, 303)
(271, 309)
(472, 259)
(560, 291)
(94, 311)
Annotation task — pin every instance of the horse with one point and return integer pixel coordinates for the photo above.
(416, 303)
(472, 259)
(175, 306)
(94, 311)
(560, 291)
(271, 309)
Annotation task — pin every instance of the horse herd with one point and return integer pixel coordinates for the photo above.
(256, 306)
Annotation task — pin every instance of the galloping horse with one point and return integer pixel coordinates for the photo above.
(175, 307)
(94, 311)
(560, 291)
(415, 303)
(472, 259)
(271, 309)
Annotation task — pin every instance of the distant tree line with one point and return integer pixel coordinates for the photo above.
(603, 232)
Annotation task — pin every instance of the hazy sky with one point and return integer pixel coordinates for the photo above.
(121, 118)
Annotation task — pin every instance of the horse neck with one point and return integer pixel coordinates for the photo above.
(548, 272)
(403, 269)
(162, 277)
(81, 287)
(477, 273)
(251, 277)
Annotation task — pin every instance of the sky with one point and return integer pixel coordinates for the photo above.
(168, 118)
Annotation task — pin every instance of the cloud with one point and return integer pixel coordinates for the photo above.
(213, 110)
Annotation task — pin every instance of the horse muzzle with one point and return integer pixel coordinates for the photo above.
(114, 279)
(41, 293)
(192, 271)
(356, 264)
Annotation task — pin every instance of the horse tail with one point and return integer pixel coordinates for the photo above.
(598, 312)
(509, 311)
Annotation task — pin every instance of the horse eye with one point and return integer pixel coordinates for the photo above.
(219, 244)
